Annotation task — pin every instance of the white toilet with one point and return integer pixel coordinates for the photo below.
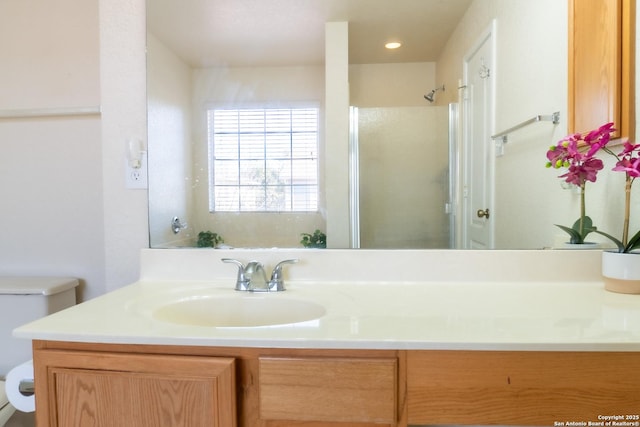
(22, 300)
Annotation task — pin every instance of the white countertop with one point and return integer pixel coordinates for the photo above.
(471, 300)
(567, 316)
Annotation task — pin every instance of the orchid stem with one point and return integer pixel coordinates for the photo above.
(627, 210)
(582, 207)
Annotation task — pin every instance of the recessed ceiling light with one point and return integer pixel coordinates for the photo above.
(393, 45)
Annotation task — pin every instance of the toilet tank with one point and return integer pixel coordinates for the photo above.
(22, 300)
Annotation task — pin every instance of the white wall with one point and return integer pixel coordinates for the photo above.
(169, 88)
(64, 204)
(337, 133)
(50, 168)
(72, 214)
(124, 116)
(526, 85)
(387, 85)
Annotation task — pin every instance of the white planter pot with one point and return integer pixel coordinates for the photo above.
(580, 246)
(621, 272)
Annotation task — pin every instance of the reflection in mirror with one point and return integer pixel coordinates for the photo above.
(403, 162)
(207, 55)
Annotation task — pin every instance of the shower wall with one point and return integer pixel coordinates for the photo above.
(403, 162)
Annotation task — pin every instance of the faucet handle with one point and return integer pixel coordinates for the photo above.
(242, 283)
(277, 281)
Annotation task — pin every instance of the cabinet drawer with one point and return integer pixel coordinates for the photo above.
(328, 389)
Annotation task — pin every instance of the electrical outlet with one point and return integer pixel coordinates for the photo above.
(136, 178)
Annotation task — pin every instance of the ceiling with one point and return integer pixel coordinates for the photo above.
(206, 33)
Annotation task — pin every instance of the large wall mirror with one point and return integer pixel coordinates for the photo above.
(258, 56)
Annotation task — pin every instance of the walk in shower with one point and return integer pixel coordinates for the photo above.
(401, 192)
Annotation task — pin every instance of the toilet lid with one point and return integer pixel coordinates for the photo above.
(3, 395)
(36, 285)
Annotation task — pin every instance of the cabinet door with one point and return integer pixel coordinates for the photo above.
(101, 389)
(601, 65)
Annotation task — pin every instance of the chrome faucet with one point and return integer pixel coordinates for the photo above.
(253, 278)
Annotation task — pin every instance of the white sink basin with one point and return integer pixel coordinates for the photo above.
(247, 310)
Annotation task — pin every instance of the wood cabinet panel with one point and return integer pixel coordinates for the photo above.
(328, 389)
(117, 399)
(602, 65)
(520, 388)
(99, 389)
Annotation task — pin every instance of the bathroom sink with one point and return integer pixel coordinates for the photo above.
(248, 310)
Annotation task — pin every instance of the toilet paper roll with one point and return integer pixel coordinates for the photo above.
(12, 385)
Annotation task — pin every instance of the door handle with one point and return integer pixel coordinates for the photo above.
(483, 213)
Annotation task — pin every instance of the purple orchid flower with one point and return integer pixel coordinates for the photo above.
(576, 153)
(584, 171)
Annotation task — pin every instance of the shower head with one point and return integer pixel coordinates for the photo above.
(431, 95)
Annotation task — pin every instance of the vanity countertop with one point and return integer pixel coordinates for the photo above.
(456, 314)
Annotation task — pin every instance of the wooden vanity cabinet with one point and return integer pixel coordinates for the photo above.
(145, 385)
(601, 65)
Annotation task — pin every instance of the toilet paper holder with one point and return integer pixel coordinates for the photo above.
(27, 387)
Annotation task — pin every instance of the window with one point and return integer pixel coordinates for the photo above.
(264, 160)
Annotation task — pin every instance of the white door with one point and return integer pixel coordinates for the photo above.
(478, 147)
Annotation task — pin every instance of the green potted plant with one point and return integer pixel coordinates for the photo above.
(209, 239)
(316, 240)
(576, 153)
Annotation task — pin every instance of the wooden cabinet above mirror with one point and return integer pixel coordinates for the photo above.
(602, 65)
